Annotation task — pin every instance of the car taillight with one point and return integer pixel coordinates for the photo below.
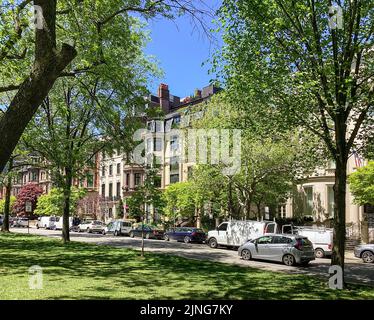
(298, 245)
(329, 246)
(193, 234)
(154, 232)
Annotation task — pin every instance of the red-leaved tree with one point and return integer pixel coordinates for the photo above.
(29, 192)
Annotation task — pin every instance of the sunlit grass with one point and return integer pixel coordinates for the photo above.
(86, 271)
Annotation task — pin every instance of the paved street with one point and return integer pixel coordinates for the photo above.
(356, 270)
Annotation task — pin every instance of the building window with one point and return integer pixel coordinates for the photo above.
(174, 143)
(103, 171)
(118, 168)
(103, 190)
(110, 190)
(174, 165)
(90, 181)
(157, 182)
(330, 201)
(308, 206)
(118, 190)
(149, 145)
(137, 179)
(34, 176)
(174, 178)
(110, 213)
(159, 126)
(127, 179)
(189, 172)
(157, 143)
(111, 170)
(177, 120)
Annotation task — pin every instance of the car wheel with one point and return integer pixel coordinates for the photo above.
(166, 237)
(367, 257)
(319, 253)
(131, 234)
(37, 227)
(116, 233)
(187, 239)
(103, 232)
(147, 235)
(288, 260)
(246, 254)
(88, 230)
(213, 243)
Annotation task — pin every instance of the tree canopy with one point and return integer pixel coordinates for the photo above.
(361, 183)
(52, 204)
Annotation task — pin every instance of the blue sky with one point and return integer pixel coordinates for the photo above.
(180, 51)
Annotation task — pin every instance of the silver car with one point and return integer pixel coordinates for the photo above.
(286, 248)
(365, 252)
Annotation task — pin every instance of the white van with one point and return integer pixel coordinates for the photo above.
(46, 222)
(59, 223)
(234, 233)
(321, 238)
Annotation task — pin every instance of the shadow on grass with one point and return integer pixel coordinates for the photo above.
(86, 271)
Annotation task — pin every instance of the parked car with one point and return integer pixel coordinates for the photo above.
(321, 238)
(365, 252)
(92, 226)
(46, 222)
(149, 232)
(11, 221)
(20, 223)
(289, 249)
(118, 227)
(234, 233)
(185, 234)
(60, 222)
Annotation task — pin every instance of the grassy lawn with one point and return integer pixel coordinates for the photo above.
(85, 271)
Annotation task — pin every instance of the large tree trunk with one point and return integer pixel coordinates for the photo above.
(340, 185)
(66, 214)
(8, 187)
(198, 217)
(339, 214)
(230, 206)
(47, 67)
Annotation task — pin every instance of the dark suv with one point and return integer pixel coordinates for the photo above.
(149, 233)
(186, 234)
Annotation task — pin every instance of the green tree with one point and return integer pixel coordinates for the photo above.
(279, 157)
(72, 38)
(53, 202)
(147, 196)
(361, 183)
(288, 63)
(12, 201)
(17, 160)
(179, 200)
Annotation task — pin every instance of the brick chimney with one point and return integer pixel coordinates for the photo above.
(198, 93)
(164, 95)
